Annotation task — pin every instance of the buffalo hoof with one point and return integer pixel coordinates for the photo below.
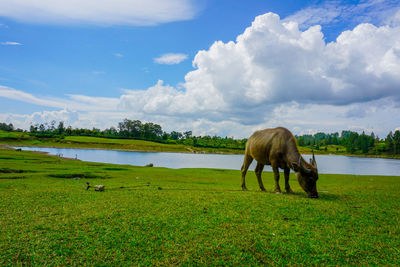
(263, 189)
(244, 188)
(289, 191)
(278, 192)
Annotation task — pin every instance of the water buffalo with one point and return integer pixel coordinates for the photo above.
(277, 147)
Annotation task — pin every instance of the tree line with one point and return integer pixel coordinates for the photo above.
(135, 129)
(353, 142)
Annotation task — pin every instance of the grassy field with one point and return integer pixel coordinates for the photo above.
(189, 216)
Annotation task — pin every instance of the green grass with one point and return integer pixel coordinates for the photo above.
(160, 216)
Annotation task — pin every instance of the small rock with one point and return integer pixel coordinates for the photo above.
(99, 187)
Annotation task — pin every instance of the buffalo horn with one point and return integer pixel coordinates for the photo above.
(313, 160)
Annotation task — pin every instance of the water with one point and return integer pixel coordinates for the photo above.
(326, 163)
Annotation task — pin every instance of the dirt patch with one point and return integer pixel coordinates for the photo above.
(115, 169)
(78, 175)
(7, 158)
(8, 170)
(12, 177)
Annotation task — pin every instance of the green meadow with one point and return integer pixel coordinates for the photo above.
(160, 216)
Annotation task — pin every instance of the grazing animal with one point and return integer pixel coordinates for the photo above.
(277, 147)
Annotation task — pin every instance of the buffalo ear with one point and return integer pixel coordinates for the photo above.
(296, 167)
(304, 168)
(299, 167)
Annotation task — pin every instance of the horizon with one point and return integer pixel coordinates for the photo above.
(209, 67)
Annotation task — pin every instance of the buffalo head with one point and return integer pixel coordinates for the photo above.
(307, 175)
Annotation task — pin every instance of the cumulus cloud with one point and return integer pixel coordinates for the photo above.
(99, 12)
(170, 58)
(274, 62)
(10, 43)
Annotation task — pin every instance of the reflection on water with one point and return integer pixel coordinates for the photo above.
(326, 163)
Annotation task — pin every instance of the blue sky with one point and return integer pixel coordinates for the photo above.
(93, 67)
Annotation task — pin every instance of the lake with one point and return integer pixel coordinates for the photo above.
(326, 163)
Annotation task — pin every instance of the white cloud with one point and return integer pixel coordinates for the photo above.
(274, 62)
(170, 58)
(73, 102)
(313, 15)
(10, 43)
(394, 20)
(25, 120)
(118, 55)
(273, 74)
(99, 12)
(11, 93)
(378, 12)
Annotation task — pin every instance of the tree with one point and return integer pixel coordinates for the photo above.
(396, 142)
(6, 127)
(33, 129)
(152, 131)
(389, 142)
(52, 126)
(60, 128)
(42, 128)
(176, 135)
(110, 132)
(129, 128)
(352, 142)
(187, 134)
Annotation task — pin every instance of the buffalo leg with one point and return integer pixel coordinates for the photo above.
(258, 171)
(287, 186)
(276, 176)
(246, 163)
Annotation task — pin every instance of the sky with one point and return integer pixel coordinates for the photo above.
(215, 67)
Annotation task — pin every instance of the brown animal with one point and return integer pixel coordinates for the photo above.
(277, 147)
